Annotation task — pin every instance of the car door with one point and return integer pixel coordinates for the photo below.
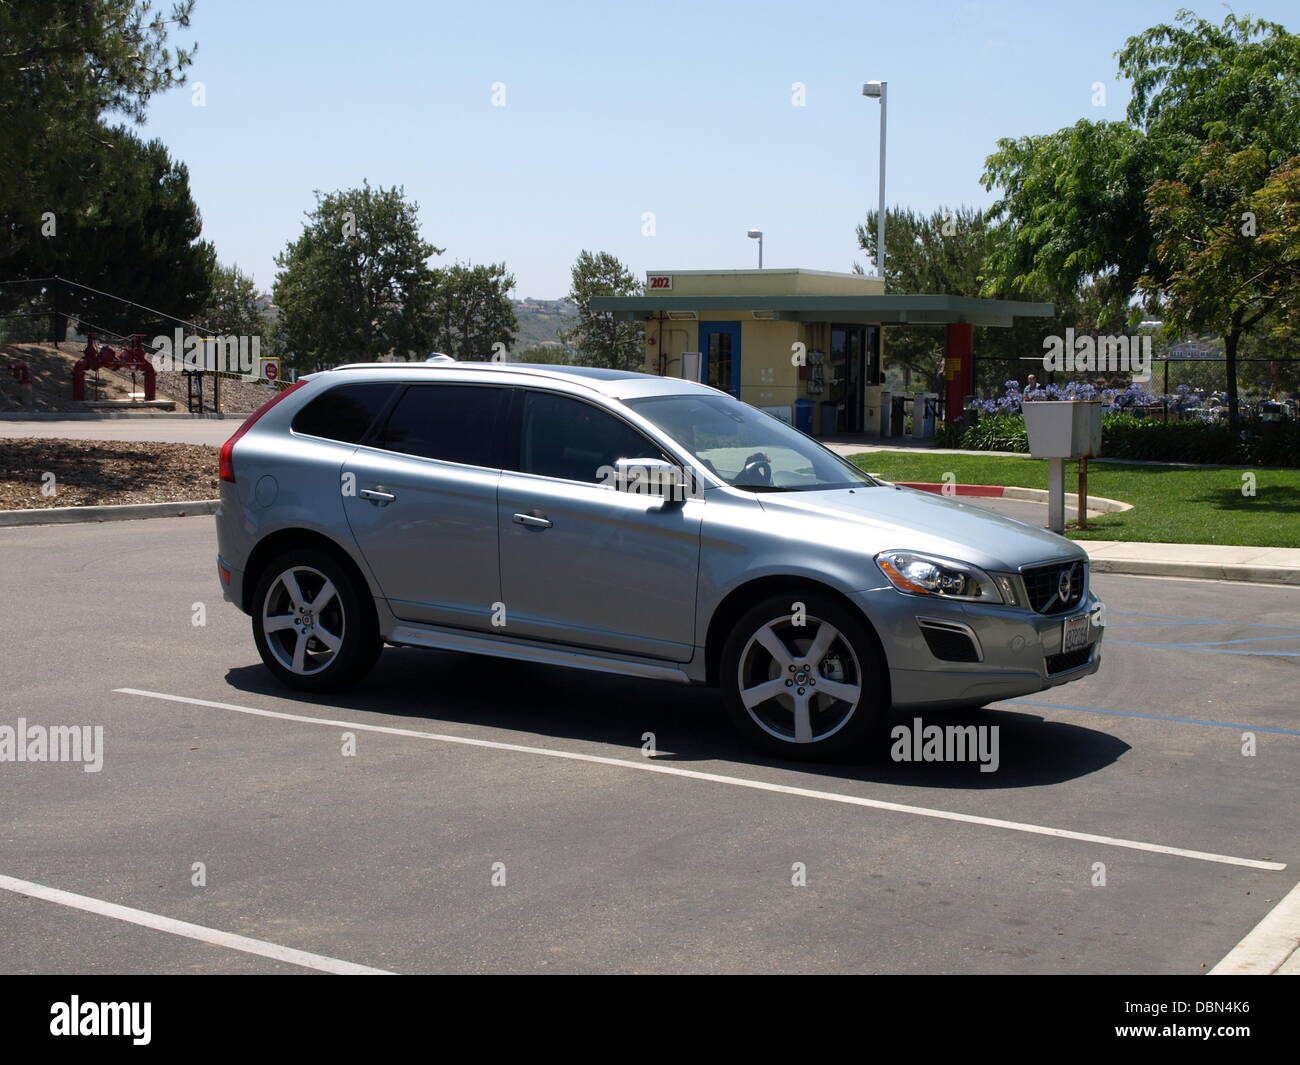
(583, 563)
(421, 502)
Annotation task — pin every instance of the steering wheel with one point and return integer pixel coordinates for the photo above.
(757, 470)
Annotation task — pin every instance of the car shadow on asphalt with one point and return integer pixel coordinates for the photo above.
(689, 726)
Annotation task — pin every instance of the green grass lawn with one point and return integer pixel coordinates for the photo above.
(1171, 504)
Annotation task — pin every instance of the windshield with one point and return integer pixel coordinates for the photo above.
(747, 448)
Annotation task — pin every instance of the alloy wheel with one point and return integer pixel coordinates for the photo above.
(799, 682)
(303, 620)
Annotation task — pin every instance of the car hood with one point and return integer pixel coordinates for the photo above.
(877, 519)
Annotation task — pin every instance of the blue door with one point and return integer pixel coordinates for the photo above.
(720, 355)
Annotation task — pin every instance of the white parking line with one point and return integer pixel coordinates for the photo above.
(212, 936)
(739, 782)
(1269, 944)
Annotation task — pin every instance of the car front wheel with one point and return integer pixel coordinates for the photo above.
(314, 627)
(802, 677)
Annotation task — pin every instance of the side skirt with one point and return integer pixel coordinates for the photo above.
(527, 651)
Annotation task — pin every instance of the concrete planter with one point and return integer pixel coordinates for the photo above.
(1063, 429)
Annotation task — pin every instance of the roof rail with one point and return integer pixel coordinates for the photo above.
(523, 369)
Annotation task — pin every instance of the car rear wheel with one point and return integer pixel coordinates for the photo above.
(314, 627)
(802, 677)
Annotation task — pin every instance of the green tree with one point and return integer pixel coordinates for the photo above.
(602, 340)
(473, 310)
(64, 66)
(1230, 248)
(1236, 84)
(1072, 216)
(133, 249)
(357, 283)
(945, 252)
(1076, 205)
(234, 306)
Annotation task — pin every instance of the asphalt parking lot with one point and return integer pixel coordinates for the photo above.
(503, 817)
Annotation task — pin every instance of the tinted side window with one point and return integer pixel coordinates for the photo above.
(455, 423)
(343, 413)
(563, 437)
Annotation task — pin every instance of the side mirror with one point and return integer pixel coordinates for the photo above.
(650, 477)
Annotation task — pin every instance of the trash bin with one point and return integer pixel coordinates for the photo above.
(830, 423)
(897, 415)
(803, 414)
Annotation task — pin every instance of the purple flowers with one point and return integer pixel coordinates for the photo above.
(1126, 399)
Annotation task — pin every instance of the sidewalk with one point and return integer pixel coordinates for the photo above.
(1256, 565)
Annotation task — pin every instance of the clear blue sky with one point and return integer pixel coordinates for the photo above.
(612, 110)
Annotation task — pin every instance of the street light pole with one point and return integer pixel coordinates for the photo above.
(757, 234)
(880, 90)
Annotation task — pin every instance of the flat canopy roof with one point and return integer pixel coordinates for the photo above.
(886, 309)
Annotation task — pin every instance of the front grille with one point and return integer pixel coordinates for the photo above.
(1064, 663)
(1043, 586)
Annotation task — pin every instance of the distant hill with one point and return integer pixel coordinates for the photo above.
(542, 322)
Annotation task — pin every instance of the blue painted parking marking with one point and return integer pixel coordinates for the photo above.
(1157, 717)
(1217, 647)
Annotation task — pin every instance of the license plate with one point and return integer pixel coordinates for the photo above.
(1076, 633)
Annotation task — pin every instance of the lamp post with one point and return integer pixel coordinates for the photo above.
(757, 234)
(879, 90)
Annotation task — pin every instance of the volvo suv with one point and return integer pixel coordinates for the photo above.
(637, 525)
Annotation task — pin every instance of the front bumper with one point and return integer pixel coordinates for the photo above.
(1019, 651)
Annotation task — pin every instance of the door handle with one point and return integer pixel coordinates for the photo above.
(532, 521)
(377, 496)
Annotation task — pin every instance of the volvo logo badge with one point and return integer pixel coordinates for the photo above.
(1065, 582)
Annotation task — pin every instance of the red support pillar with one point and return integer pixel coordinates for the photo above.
(958, 369)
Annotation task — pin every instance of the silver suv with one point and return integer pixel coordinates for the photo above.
(637, 525)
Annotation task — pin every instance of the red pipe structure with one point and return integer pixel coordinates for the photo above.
(105, 358)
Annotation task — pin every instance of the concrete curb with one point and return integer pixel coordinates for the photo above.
(1204, 571)
(1271, 948)
(1097, 504)
(128, 512)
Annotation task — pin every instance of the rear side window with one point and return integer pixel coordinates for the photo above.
(455, 423)
(570, 439)
(343, 413)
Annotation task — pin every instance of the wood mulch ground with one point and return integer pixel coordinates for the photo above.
(93, 473)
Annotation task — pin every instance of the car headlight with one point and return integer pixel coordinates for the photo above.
(919, 574)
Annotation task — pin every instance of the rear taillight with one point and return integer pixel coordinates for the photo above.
(226, 467)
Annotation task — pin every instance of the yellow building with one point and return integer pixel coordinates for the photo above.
(808, 342)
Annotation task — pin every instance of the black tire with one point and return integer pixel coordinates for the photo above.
(347, 617)
(835, 726)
